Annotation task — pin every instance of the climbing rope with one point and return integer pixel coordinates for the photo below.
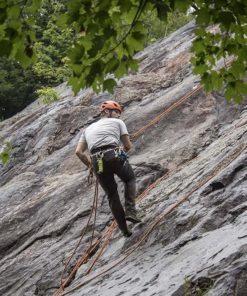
(172, 107)
(220, 167)
(90, 249)
(86, 256)
(144, 193)
(106, 236)
(166, 112)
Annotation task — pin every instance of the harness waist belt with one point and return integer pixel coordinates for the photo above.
(103, 148)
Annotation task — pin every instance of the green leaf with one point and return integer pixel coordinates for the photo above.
(198, 46)
(24, 60)
(134, 43)
(35, 5)
(14, 25)
(203, 17)
(13, 11)
(229, 77)
(75, 83)
(4, 156)
(76, 68)
(109, 32)
(6, 152)
(74, 6)
(162, 10)
(242, 55)
(133, 65)
(130, 15)
(3, 4)
(98, 43)
(62, 20)
(237, 69)
(139, 28)
(76, 53)
(109, 85)
(231, 48)
(217, 80)
(241, 87)
(206, 80)
(125, 5)
(226, 18)
(200, 32)
(48, 95)
(86, 42)
(95, 70)
(121, 70)
(3, 15)
(200, 69)
(230, 92)
(238, 98)
(183, 5)
(111, 65)
(211, 59)
(114, 9)
(5, 47)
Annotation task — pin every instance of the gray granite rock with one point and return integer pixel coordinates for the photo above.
(199, 248)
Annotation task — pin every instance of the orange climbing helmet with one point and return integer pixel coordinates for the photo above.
(112, 105)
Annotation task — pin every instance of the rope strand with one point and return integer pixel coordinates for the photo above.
(95, 201)
(226, 162)
(109, 232)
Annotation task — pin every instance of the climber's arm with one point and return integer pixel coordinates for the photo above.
(81, 153)
(125, 139)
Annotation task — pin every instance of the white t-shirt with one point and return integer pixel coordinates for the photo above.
(106, 131)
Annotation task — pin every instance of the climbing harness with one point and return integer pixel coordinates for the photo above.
(99, 157)
(116, 152)
(122, 155)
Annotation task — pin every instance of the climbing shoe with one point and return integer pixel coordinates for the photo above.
(126, 233)
(133, 218)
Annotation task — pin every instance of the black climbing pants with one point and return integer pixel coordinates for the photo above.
(107, 181)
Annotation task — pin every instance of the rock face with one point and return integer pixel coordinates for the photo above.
(193, 239)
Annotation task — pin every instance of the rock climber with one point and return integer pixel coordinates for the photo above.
(103, 139)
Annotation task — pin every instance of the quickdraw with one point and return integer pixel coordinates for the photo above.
(119, 153)
(122, 155)
(100, 164)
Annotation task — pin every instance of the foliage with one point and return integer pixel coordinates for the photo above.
(157, 29)
(48, 94)
(228, 41)
(51, 65)
(110, 32)
(5, 151)
(186, 286)
(17, 87)
(200, 287)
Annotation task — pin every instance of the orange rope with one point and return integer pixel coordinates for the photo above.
(226, 162)
(166, 112)
(107, 237)
(85, 257)
(108, 233)
(133, 136)
(94, 208)
(172, 107)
